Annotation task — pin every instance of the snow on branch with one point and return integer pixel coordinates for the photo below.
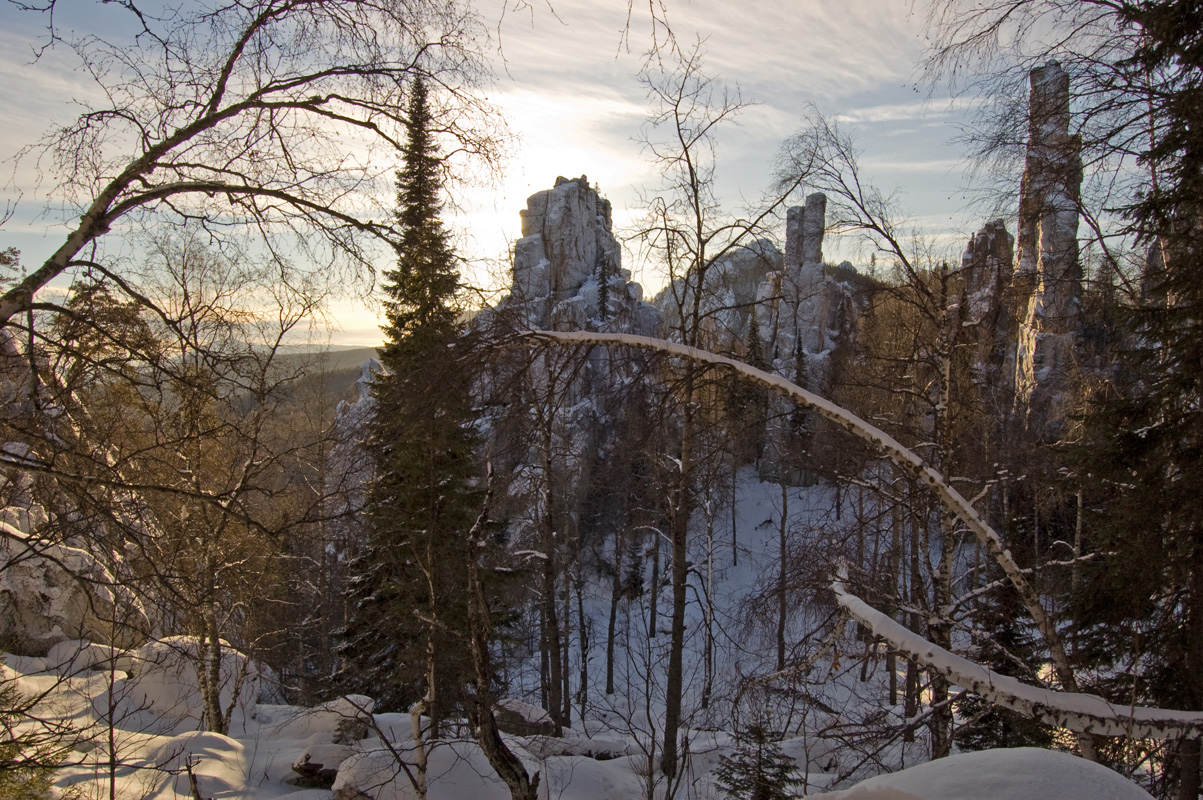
(1079, 712)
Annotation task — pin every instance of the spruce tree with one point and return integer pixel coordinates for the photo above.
(27, 759)
(758, 770)
(410, 588)
(1143, 453)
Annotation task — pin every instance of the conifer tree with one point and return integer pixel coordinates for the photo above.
(749, 404)
(411, 584)
(1143, 453)
(758, 770)
(27, 760)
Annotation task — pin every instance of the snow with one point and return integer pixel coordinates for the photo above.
(165, 682)
(607, 754)
(1021, 773)
(255, 764)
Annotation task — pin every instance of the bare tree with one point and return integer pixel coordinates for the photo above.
(688, 233)
(904, 458)
(263, 121)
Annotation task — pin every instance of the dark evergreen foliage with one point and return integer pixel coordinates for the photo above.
(1142, 459)
(27, 760)
(411, 583)
(758, 770)
(1010, 646)
(748, 403)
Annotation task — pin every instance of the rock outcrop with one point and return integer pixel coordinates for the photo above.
(988, 264)
(806, 312)
(568, 271)
(560, 405)
(52, 593)
(1047, 269)
(799, 308)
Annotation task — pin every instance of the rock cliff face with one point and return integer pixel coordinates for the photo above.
(806, 312)
(803, 310)
(988, 263)
(546, 406)
(568, 271)
(1047, 270)
(53, 587)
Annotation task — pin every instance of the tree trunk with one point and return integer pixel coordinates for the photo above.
(501, 758)
(679, 533)
(1188, 769)
(941, 634)
(782, 606)
(566, 649)
(652, 613)
(708, 611)
(583, 633)
(734, 529)
(615, 597)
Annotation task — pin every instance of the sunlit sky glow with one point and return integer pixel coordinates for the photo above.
(567, 85)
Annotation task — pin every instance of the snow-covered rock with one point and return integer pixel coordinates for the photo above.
(523, 719)
(1022, 773)
(165, 681)
(73, 657)
(318, 765)
(336, 719)
(568, 271)
(52, 593)
(218, 764)
(461, 767)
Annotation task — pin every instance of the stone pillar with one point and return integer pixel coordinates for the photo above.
(1048, 270)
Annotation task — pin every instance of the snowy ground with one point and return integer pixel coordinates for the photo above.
(136, 713)
(256, 760)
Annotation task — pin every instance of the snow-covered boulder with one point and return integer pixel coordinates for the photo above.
(75, 657)
(318, 765)
(334, 729)
(523, 719)
(217, 763)
(51, 593)
(344, 720)
(461, 767)
(1021, 773)
(165, 681)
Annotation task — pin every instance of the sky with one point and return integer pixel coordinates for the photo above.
(566, 81)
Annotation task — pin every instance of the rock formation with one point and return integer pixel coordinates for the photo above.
(805, 314)
(568, 266)
(1047, 268)
(797, 307)
(988, 265)
(545, 405)
(52, 593)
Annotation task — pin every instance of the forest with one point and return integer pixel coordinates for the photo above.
(925, 524)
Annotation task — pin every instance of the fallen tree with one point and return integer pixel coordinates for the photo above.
(1076, 711)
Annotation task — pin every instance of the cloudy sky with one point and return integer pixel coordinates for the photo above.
(567, 83)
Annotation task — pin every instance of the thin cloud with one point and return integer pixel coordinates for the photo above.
(895, 112)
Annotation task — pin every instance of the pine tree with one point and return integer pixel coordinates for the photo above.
(1143, 462)
(984, 725)
(411, 584)
(27, 760)
(758, 770)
